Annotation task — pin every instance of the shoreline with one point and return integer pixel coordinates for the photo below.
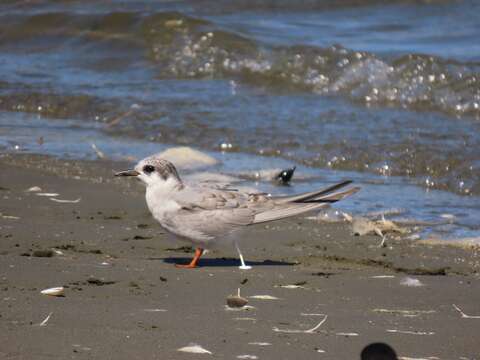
(123, 292)
(315, 234)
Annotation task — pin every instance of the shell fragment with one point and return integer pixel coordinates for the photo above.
(55, 291)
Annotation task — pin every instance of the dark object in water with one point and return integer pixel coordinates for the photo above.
(284, 176)
(378, 351)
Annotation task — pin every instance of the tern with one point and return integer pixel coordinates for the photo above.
(210, 216)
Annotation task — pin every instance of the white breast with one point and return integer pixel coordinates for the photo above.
(160, 201)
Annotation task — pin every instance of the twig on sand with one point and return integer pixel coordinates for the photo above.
(44, 322)
(406, 313)
(384, 237)
(296, 331)
(411, 332)
(9, 217)
(465, 316)
(64, 201)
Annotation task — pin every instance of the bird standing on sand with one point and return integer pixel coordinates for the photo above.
(209, 217)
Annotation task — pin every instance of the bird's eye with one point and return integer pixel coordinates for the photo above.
(148, 169)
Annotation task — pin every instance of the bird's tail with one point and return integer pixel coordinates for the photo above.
(294, 205)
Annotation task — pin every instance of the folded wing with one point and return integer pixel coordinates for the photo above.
(216, 212)
(284, 207)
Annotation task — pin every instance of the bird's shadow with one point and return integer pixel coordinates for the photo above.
(222, 262)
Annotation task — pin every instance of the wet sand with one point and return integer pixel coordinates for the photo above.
(124, 299)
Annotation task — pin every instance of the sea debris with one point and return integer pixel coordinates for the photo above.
(194, 349)
(382, 277)
(411, 282)
(296, 331)
(410, 332)
(311, 314)
(364, 226)
(9, 217)
(346, 334)
(264, 297)
(298, 285)
(34, 189)
(236, 301)
(382, 243)
(44, 322)
(465, 316)
(405, 313)
(55, 291)
(97, 151)
(258, 343)
(155, 310)
(292, 286)
(47, 194)
(247, 356)
(63, 201)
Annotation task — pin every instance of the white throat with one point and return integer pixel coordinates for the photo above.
(160, 198)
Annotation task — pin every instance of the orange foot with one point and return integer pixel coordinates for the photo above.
(193, 263)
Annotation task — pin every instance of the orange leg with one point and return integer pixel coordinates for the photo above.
(193, 263)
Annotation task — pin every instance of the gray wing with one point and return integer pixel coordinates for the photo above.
(282, 207)
(209, 213)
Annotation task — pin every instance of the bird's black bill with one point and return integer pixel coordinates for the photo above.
(128, 173)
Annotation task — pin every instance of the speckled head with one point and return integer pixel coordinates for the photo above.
(154, 170)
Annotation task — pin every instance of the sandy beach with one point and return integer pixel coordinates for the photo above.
(124, 299)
